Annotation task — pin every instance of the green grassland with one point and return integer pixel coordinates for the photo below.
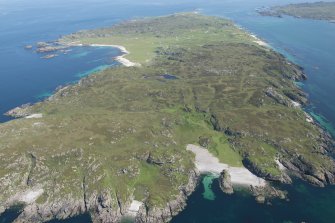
(317, 10)
(125, 130)
(145, 39)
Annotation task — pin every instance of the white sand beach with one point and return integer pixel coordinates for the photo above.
(126, 62)
(121, 59)
(134, 208)
(205, 162)
(259, 41)
(34, 116)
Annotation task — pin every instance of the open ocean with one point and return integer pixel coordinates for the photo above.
(26, 78)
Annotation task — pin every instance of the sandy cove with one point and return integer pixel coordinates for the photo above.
(259, 41)
(121, 59)
(205, 162)
(256, 39)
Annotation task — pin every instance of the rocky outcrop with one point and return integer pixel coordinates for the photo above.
(105, 207)
(155, 214)
(318, 176)
(280, 99)
(155, 161)
(204, 141)
(21, 111)
(225, 182)
(270, 13)
(297, 96)
(44, 47)
(291, 99)
(49, 56)
(299, 74)
(100, 207)
(282, 178)
(28, 47)
(60, 209)
(267, 193)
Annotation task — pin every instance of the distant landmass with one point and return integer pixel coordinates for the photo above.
(317, 10)
(193, 94)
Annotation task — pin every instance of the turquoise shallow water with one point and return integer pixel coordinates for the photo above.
(207, 183)
(24, 77)
(307, 204)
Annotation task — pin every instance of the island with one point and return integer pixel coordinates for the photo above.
(317, 10)
(197, 95)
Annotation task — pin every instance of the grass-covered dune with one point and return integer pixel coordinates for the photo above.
(121, 134)
(318, 10)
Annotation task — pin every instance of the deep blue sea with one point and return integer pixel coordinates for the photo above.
(26, 78)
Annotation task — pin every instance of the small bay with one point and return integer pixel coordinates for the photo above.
(29, 78)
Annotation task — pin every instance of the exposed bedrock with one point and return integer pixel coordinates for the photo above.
(225, 182)
(154, 214)
(283, 178)
(105, 207)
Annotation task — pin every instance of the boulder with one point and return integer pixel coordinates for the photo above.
(225, 182)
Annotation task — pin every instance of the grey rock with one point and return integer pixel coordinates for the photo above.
(225, 182)
(21, 111)
(260, 199)
(254, 168)
(63, 209)
(148, 214)
(204, 141)
(272, 93)
(267, 193)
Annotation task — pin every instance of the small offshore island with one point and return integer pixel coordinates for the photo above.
(317, 10)
(197, 95)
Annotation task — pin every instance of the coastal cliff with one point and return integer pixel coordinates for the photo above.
(103, 209)
(165, 214)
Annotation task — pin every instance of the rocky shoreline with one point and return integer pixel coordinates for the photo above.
(101, 207)
(106, 205)
(165, 214)
(317, 11)
(49, 50)
(102, 210)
